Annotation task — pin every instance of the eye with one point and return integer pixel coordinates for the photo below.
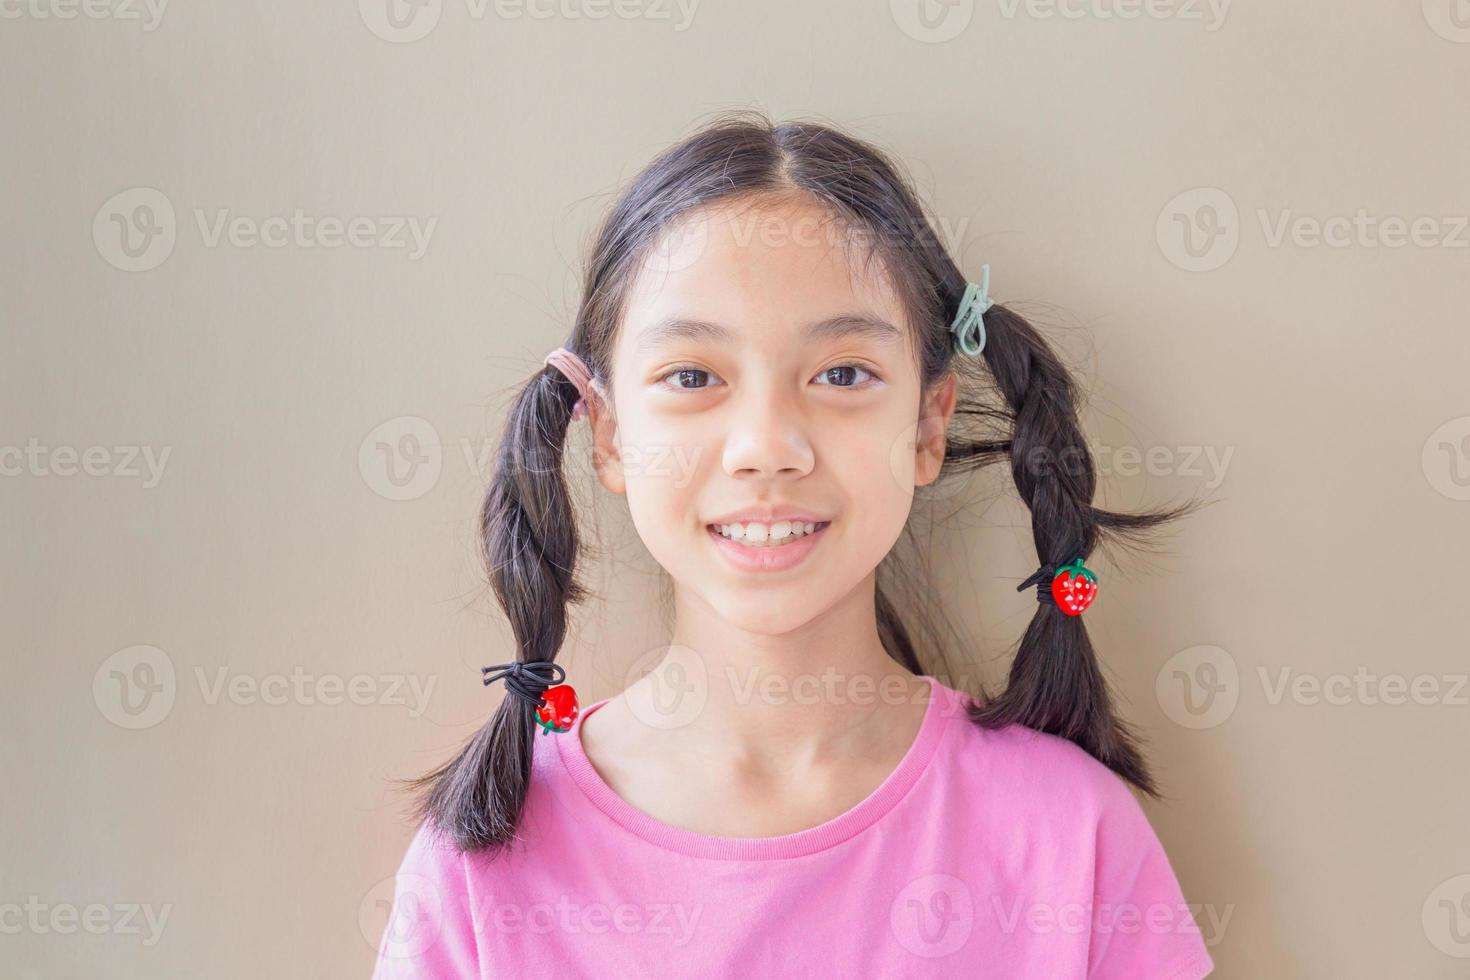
(842, 375)
(687, 377)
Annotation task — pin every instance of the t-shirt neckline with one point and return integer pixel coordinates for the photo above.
(840, 828)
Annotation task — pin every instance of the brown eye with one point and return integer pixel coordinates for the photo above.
(688, 378)
(844, 375)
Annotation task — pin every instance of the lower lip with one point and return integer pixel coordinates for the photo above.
(771, 558)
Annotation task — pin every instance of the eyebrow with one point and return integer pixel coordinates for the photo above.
(842, 326)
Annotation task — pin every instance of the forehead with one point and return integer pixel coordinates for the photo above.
(762, 268)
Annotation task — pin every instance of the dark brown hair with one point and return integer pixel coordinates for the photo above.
(1019, 406)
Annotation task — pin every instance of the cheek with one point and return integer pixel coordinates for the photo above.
(874, 465)
(665, 452)
(874, 460)
(663, 466)
(880, 515)
(662, 515)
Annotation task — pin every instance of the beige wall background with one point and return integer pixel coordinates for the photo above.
(242, 463)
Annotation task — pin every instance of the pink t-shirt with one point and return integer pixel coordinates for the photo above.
(983, 854)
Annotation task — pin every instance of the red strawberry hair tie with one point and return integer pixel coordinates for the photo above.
(1070, 587)
(556, 706)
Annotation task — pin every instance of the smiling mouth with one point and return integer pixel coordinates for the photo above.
(767, 536)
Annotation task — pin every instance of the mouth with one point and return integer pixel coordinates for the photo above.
(767, 548)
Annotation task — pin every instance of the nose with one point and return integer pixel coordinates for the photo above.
(767, 440)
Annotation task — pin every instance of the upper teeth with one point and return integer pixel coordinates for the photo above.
(756, 533)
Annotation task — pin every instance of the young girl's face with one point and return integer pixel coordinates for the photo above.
(762, 368)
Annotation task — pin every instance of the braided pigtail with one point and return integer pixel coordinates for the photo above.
(530, 549)
(1056, 684)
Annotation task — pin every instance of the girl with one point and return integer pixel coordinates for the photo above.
(773, 351)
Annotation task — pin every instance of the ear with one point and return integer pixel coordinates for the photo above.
(929, 442)
(607, 457)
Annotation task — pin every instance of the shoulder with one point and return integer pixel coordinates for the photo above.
(433, 868)
(431, 849)
(1045, 795)
(430, 929)
(1035, 773)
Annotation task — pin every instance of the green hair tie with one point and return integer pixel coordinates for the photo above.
(969, 321)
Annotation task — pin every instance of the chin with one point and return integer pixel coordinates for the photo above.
(773, 610)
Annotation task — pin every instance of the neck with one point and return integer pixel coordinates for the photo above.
(803, 698)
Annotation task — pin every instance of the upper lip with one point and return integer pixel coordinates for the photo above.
(768, 515)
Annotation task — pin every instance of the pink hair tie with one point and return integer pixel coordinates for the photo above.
(575, 370)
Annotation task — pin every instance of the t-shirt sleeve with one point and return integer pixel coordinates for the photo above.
(430, 931)
(1142, 927)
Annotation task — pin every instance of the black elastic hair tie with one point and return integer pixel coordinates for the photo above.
(1041, 578)
(527, 681)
